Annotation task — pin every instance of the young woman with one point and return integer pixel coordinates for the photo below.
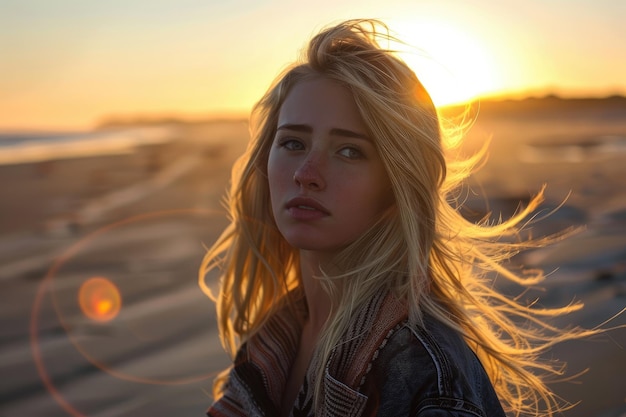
(351, 285)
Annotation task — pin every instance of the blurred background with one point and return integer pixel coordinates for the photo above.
(120, 120)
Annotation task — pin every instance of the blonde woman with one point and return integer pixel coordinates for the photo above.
(350, 283)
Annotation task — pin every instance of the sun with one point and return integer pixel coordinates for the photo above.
(453, 66)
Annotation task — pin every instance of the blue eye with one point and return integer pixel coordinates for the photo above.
(291, 144)
(351, 153)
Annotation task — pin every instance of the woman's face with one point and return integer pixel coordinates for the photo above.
(327, 182)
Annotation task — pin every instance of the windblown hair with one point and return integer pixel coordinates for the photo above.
(425, 251)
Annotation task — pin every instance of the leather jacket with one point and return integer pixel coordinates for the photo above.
(384, 367)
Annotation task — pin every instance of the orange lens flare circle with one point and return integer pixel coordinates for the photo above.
(99, 299)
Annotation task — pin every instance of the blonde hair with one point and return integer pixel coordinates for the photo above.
(426, 252)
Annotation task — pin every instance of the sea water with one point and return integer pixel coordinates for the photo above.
(20, 148)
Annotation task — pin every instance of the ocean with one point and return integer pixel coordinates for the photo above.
(21, 148)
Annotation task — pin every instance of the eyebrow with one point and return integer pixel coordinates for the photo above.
(334, 131)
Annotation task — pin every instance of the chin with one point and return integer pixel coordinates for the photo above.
(314, 245)
(313, 240)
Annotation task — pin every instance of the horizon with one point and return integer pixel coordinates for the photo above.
(129, 119)
(68, 65)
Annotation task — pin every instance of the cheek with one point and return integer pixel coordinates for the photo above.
(380, 196)
(385, 193)
(276, 177)
(271, 167)
(387, 197)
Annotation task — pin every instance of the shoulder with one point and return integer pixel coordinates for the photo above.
(426, 370)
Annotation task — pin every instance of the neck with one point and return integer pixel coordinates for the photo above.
(318, 300)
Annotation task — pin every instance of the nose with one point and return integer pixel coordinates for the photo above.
(309, 174)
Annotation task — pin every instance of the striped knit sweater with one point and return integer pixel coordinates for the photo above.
(258, 377)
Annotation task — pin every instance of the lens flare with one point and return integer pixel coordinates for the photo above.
(99, 299)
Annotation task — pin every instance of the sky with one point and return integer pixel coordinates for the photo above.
(69, 64)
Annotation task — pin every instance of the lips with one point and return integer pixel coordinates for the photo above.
(305, 203)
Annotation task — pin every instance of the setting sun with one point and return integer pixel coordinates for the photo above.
(119, 59)
(453, 66)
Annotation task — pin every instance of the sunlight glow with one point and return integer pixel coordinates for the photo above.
(453, 66)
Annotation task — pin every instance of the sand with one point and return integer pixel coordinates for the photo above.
(78, 211)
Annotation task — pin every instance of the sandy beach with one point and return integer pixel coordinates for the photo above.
(141, 219)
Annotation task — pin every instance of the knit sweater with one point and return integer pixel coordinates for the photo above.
(261, 368)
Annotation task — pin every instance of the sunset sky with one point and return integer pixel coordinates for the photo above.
(67, 64)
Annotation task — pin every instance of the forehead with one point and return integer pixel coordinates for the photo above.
(321, 103)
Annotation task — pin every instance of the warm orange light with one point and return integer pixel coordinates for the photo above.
(99, 299)
(453, 65)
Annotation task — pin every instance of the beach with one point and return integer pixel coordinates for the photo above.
(141, 217)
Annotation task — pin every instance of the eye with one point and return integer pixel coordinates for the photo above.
(351, 153)
(291, 144)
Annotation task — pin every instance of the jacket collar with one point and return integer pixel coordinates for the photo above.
(262, 365)
(351, 359)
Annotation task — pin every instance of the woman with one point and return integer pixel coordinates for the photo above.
(351, 285)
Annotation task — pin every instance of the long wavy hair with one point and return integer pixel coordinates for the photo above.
(425, 251)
